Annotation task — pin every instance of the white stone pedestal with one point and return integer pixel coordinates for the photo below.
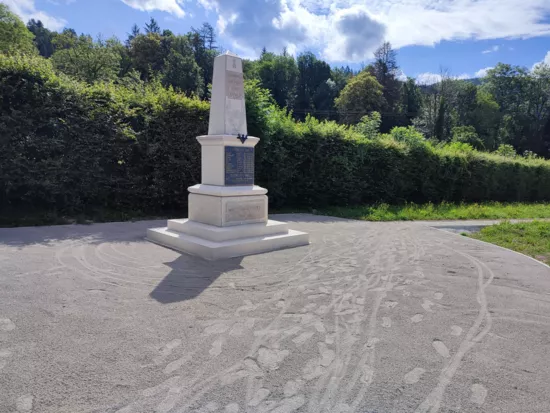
(227, 212)
(214, 243)
(227, 222)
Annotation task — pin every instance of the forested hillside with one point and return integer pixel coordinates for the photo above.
(90, 125)
(510, 105)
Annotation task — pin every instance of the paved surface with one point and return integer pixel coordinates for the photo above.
(371, 317)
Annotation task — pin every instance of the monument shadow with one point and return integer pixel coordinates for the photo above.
(190, 276)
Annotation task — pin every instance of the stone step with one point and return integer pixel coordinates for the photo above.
(219, 234)
(212, 250)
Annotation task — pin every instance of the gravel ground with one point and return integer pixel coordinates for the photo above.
(371, 317)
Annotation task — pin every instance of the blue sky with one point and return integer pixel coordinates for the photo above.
(463, 37)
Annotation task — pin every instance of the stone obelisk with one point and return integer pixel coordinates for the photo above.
(227, 212)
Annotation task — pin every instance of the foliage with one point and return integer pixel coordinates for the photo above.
(312, 76)
(522, 97)
(408, 135)
(147, 54)
(278, 74)
(152, 27)
(369, 125)
(385, 69)
(509, 106)
(468, 135)
(530, 238)
(84, 59)
(14, 36)
(362, 94)
(43, 38)
(69, 147)
(456, 146)
(506, 150)
(112, 125)
(183, 74)
(412, 99)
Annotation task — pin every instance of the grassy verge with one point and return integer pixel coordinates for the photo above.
(529, 238)
(382, 212)
(443, 211)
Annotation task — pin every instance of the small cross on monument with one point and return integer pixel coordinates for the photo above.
(227, 212)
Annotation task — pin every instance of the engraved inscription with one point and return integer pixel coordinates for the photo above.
(238, 211)
(234, 86)
(234, 64)
(239, 165)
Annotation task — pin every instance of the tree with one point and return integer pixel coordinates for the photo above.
(180, 68)
(312, 74)
(147, 55)
(42, 37)
(207, 34)
(278, 74)
(523, 99)
(467, 134)
(385, 70)
(204, 58)
(340, 76)
(362, 95)
(183, 74)
(412, 99)
(86, 60)
(250, 69)
(486, 118)
(439, 126)
(14, 36)
(152, 27)
(135, 32)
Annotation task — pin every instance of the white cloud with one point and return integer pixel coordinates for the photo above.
(545, 61)
(26, 10)
(169, 6)
(491, 50)
(401, 75)
(429, 78)
(349, 30)
(482, 72)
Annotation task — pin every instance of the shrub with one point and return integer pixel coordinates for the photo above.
(408, 135)
(467, 135)
(70, 148)
(369, 125)
(507, 151)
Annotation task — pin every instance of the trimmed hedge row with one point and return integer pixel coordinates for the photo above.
(319, 164)
(71, 148)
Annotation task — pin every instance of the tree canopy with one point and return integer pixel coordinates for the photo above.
(509, 106)
(14, 36)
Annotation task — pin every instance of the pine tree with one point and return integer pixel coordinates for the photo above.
(152, 27)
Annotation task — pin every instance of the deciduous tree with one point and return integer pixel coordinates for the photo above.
(14, 36)
(362, 95)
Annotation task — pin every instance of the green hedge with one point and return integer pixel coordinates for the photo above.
(71, 148)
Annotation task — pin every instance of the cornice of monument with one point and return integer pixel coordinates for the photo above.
(227, 140)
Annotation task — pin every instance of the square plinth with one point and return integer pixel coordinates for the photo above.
(235, 241)
(227, 211)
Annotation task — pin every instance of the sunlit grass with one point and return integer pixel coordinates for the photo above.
(530, 238)
(443, 211)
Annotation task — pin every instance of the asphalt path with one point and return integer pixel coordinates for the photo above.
(371, 317)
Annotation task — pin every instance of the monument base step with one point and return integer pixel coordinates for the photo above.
(218, 234)
(226, 242)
